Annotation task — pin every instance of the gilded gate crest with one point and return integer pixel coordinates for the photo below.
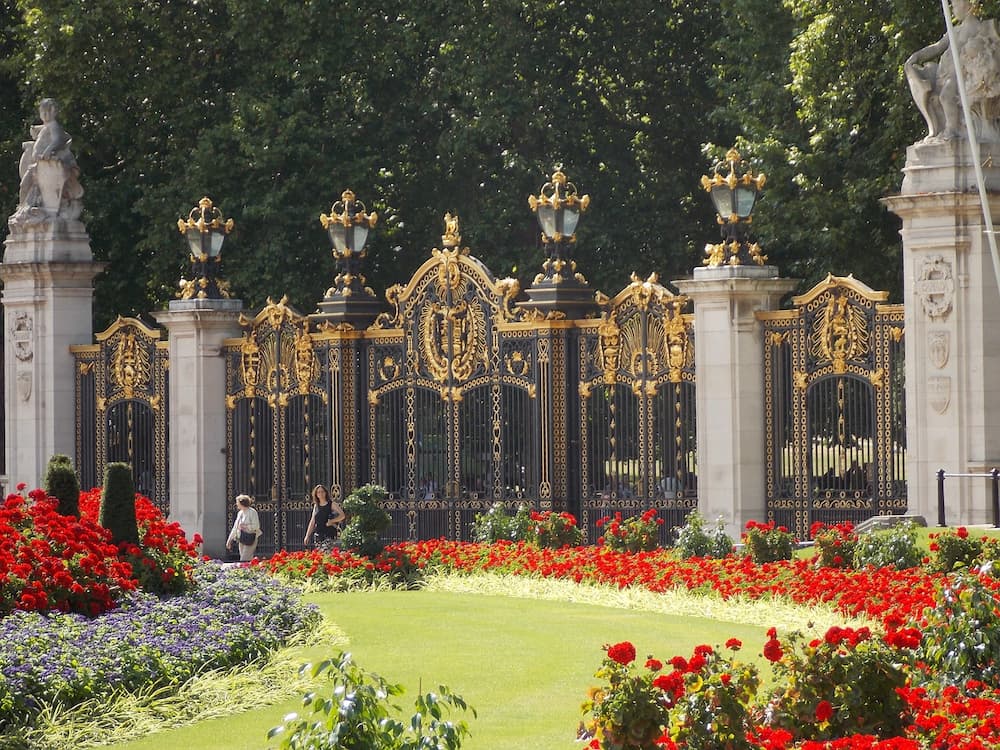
(454, 333)
(130, 365)
(840, 334)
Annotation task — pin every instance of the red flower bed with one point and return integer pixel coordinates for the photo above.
(49, 561)
(892, 596)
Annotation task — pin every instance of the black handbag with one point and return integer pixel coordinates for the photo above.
(247, 538)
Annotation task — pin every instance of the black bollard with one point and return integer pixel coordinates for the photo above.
(995, 477)
(940, 482)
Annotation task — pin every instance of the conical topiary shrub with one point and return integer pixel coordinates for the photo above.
(118, 504)
(61, 483)
(366, 521)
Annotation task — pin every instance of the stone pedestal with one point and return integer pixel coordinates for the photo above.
(565, 296)
(197, 329)
(952, 328)
(47, 272)
(730, 392)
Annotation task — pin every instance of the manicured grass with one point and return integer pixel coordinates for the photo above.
(524, 664)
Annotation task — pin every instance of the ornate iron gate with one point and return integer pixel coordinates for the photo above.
(121, 407)
(636, 408)
(452, 417)
(278, 422)
(834, 406)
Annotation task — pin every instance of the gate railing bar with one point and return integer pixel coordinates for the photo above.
(994, 477)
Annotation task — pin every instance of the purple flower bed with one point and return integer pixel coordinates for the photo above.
(230, 618)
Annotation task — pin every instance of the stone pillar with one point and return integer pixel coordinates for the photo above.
(47, 273)
(952, 318)
(729, 361)
(197, 328)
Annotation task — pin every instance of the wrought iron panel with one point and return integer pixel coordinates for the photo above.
(279, 425)
(121, 405)
(637, 428)
(452, 410)
(835, 432)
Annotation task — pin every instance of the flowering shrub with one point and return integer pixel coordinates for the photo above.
(714, 709)
(834, 544)
(495, 524)
(842, 683)
(694, 541)
(954, 549)
(229, 618)
(962, 632)
(629, 711)
(359, 715)
(768, 543)
(635, 534)
(554, 530)
(895, 547)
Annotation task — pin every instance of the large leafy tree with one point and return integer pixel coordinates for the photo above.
(272, 109)
(825, 110)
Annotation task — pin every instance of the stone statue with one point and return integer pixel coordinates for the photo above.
(934, 85)
(50, 186)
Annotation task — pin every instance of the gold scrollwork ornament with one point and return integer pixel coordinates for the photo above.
(610, 347)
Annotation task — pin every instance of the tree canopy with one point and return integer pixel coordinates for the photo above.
(273, 109)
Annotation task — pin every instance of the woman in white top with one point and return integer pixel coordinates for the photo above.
(247, 522)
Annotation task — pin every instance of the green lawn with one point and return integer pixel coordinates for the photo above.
(524, 664)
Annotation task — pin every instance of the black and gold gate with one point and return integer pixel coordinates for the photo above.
(121, 407)
(452, 422)
(636, 408)
(278, 421)
(834, 406)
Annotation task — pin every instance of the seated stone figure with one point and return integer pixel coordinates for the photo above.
(934, 82)
(50, 186)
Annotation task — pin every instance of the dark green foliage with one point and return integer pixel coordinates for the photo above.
(961, 638)
(366, 521)
(360, 713)
(896, 547)
(552, 530)
(955, 549)
(62, 483)
(496, 524)
(118, 504)
(694, 541)
(767, 542)
(406, 110)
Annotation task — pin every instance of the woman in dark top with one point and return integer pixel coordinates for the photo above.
(324, 524)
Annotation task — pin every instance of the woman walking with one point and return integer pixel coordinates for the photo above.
(324, 524)
(246, 528)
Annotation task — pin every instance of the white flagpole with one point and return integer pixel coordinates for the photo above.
(973, 141)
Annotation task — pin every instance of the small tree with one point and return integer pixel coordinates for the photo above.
(118, 504)
(61, 483)
(367, 521)
(495, 525)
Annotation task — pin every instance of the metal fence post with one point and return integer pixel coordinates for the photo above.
(995, 479)
(940, 488)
